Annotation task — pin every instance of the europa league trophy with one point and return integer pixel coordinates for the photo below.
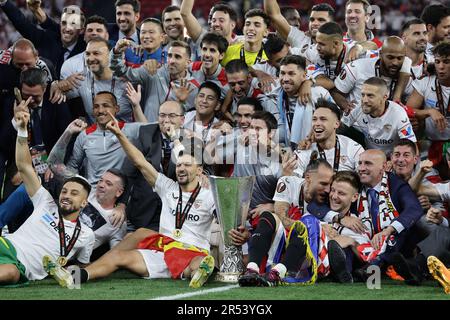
(232, 197)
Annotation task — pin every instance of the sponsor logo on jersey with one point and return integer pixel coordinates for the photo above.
(380, 141)
(407, 131)
(343, 74)
(50, 220)
(192, 217)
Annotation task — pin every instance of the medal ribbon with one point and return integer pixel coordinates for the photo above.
(337, 154)
(338, 68)
(258, 57)
(182, 214)
(393, 81)
(440, 98)
(65, 250)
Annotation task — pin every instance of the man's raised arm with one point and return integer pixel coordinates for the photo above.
(280, 23)
(148, 171)
(194, 29)
(23, 157)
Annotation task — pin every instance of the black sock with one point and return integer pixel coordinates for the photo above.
(295, 253)
(262, 238)
(84, 276)
(421, 262)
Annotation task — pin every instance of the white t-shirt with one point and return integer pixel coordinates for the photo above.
(302, 43)
(318, 65)
(196, 126)
(426, 87)
(349, 155)
(353, 75)
(196, 229)
(385, 131)
(39, 236)
(75, 64)
(98, 219)
(288, 190)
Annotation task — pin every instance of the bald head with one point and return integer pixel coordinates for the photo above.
(392, 54)
(172, 106)
(393, 44)
(24, 54)
(371, 167)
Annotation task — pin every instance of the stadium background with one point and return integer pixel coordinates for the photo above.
(123, 285)
(394, 12)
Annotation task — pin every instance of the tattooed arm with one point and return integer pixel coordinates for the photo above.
(281, 210)
(58, 153)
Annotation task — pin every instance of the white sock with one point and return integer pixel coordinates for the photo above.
(281, 269)
(253, 266)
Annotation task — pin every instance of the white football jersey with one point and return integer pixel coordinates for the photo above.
(303, 43)
(429, 52)
(382, 132)
(349, 155)
(318, 65)
(39, 236)
(353, 75)
(288, 190)
(98, 219)
(196, 229)
(426, 87)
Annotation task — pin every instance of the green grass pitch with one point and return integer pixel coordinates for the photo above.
(125, 286)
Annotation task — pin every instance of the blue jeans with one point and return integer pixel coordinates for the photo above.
(17, 206)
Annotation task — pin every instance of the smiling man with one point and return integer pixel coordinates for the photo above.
(383, 122)
(56, 43)
(255, 30)
(387, 206)
(339, 151)
(94, 147)
(166, 83)
(181, 249)
(23, 251)
(213, 48)
(100, 78)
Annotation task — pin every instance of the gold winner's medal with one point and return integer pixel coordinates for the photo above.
(62, 261)
(177, 233)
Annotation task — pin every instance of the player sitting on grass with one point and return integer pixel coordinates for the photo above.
(52, 229)
(181, 249)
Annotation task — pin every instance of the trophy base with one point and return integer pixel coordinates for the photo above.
(228, 277)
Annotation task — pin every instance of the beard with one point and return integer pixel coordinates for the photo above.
(66, 212)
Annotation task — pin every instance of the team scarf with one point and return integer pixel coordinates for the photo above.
(365, 249)
(386, 213)
(316, 262)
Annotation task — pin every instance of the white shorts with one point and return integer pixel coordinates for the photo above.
(156, 266)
